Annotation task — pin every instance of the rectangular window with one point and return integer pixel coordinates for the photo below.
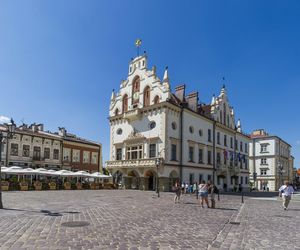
(218, 138)
(36, 153)
(218, 180)
(191, 154)
(86, 157)
(55, 154)
(246, 148)
(263, 172)
(200, 155)
(241, 146)
(174, 152)
(242, 180)
(209, 157)
(14, 148)
(152, 151)
(246, 180)
(76, 155)
(119, 154)
(246, 163)
(209, 135)
(47, 153)
(209, 177)
(225, 140)
(26, 150)
(95, 157)
(135, 152)
(231, 142)
(218, 158)
(263, 148)
(191, 178)
(200, 178)
(236, 144)
(263, 161)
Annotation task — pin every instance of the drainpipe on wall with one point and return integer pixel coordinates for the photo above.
(181, 142)
(214, 152)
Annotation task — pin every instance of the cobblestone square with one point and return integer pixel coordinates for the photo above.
(119, 219)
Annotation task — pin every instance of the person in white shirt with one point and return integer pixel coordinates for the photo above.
(286, 191)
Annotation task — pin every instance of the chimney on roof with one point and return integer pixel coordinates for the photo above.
(62, 131)
(259, 132)
(33, 127)
(180, 92)
(40, 127)
(192, 100)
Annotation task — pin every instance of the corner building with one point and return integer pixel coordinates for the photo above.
(194, 141)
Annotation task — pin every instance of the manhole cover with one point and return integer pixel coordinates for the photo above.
(75, 224)
(235, 223)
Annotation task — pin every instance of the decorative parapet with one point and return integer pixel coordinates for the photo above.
(132, 115)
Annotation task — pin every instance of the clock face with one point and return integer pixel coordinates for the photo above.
(136, 96)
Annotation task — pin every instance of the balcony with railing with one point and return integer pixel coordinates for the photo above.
(146, 163)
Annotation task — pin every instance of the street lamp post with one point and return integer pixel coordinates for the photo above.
(157, 163)
(11, 127)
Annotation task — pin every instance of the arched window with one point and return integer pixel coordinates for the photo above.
(116, 111)
(135, 89)
(125, 103)
(146, 96)
(156, 99)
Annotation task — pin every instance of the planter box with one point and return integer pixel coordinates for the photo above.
(67, 185)
(94, 186)
(52, 186)
(5, 185)
(78, 186)
(23, 186)
(38, 185)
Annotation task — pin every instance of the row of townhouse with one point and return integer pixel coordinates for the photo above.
(33, 147)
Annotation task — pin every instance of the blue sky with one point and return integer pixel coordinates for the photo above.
(60, 60)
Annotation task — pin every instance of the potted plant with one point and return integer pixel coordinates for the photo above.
(79, 185)
(52, 185)
(37, 185)
(5, 185)
(24, 186)
(67, 185)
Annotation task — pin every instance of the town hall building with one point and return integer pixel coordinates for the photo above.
(194, 141)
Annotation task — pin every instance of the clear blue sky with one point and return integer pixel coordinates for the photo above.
(59, 60)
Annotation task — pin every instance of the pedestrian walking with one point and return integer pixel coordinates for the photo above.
(286, 191)
(212, 191)
(177, 189)
(203, 193)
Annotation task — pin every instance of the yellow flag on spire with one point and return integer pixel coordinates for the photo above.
(138, 42)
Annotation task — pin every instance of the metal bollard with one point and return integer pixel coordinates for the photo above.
(242, 197)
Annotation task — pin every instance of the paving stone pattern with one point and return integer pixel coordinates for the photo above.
(117, 219)
(263, 225)
(126, 219)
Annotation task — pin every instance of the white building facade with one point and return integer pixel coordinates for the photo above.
(194, 141)
(270, 161)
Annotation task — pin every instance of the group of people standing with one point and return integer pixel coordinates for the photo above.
(205, 192)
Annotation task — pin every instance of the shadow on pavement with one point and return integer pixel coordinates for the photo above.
(46, 212)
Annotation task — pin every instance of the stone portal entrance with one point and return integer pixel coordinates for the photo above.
(151, 180)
